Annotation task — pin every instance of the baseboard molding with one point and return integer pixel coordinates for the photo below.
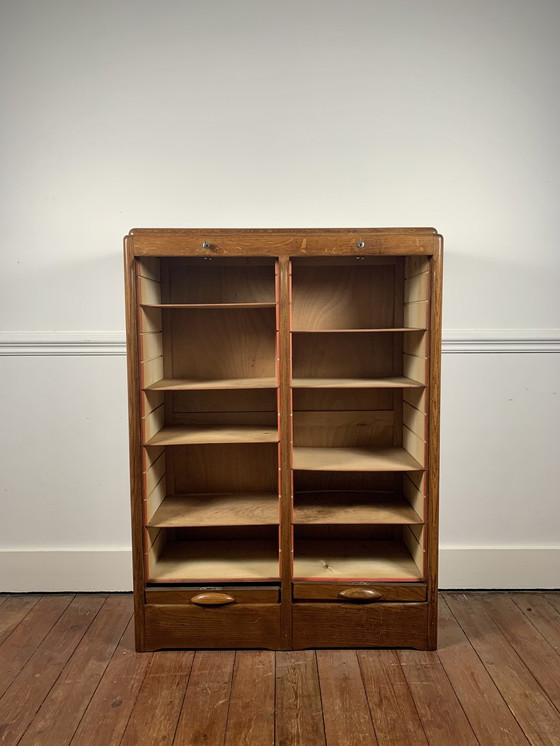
(24, 571)
(499, 567)
(463, 341)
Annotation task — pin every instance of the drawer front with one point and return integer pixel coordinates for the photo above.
(214, 595)
(322, 625)
(359, 593)
(231, 626)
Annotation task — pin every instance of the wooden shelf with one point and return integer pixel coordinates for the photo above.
(185, 435)
(231, 509)
(353, 508)
(354, 459)
(352, 331)
(184, 384)
(391, 382)
(353, 560)
(185, 561)
(208, 305)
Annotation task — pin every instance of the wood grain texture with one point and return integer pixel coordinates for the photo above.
(156, 711)
(543, 615)
(26, 694)
(245, 509)
(205, 708)
(534, 649)
(184, 384)
(355, 459)
(343, 429)
(284, 243)
(187, 561)
(345, 707)
(392, 708)
(177, 436)
(350, 296)
(488, 714)
(440, 711)
(317, 591)
(109, 709)
(222, 344)
(352, 558)
(14, 609)
(232, 626)
(20, 645)
(353, 507)
(531, 707)
(299, 713)
(384, 625)
(62, 710)
(389, 382)
(244, 594)
(251, 707)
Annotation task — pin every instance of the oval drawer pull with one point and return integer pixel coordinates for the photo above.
(212, 599)
(360, 595)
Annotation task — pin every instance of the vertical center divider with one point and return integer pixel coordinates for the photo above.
(286, 445)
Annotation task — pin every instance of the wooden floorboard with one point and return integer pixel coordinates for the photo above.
(251, 706)
(542, 614)
(299, 714)
(533, 710)
(162, 692)
(204, 713)
(488, 714)
(346, 711)
(69, 674)
(20, 645)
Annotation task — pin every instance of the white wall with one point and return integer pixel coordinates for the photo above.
(255, 114)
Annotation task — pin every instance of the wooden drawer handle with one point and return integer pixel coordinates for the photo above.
(360, 595)
(212, 599)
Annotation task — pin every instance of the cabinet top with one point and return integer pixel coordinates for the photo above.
(282, 241)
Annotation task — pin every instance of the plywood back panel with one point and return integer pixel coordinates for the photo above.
(306, 481)
(347, 296)
(342, 399)
(238, 400)
(217, 344)
(327, 355)
(220, 281)
(226, 468)
(343, 429)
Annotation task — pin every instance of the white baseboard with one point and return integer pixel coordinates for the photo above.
(46, 571)
(24, 571)
(499, 567)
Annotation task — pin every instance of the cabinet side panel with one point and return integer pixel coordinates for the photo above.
(436, 278)
(134, 436)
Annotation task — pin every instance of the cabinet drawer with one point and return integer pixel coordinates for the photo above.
(231, 626)
(359, 592)
(214, 595)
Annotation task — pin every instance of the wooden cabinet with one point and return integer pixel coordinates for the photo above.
(284, 436)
